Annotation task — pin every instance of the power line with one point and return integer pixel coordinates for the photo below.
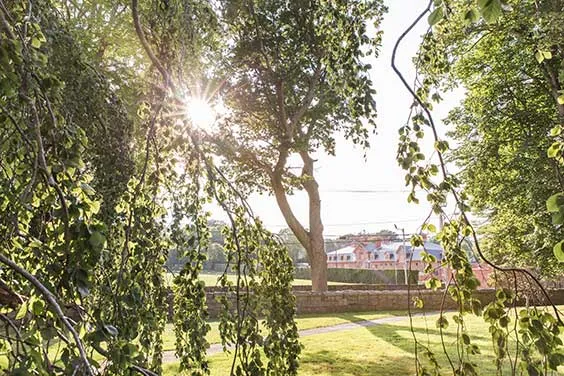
(371, 191)
(358, 223)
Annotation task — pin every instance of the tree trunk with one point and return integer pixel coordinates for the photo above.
(312, 240)
(316, 251)
(318, 262)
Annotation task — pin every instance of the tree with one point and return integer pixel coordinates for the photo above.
(502, 124)
(88, 159)
(456, 29)
(295, 249)
(388, 235)
(296, 79)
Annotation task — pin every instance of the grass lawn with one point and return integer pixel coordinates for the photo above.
(385, 349)
(210, 279)
(303, 322)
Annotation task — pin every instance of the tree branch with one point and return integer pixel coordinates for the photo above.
(308, 98)
(281, 198)
(146, 47)
(50, 298)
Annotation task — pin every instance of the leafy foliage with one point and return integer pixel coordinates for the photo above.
(88, 169)
(296, 79)
(501, 128)
(502, 124)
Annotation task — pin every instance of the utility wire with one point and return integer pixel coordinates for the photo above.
(368, 191)
(356, 223)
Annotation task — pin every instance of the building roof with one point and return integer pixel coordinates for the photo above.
(370, 247)
(431, 248)
(348, 250)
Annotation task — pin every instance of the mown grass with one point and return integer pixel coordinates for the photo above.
(303, 322)
(210, 279)
(385, 349)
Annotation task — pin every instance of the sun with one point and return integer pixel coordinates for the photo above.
(200, 112)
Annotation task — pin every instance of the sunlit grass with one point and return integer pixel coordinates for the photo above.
(384, 349)
(303, 322)
(210, 279)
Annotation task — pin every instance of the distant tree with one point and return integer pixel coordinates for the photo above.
(388, 235)
(296, 79)
(295, 249)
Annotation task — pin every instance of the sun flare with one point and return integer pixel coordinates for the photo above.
(200, 113)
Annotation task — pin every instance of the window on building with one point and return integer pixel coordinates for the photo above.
(348, 258)
(342, 258)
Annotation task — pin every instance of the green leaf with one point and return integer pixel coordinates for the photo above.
(97, 240)
(441, 146)
(539, 56)
(37, 307)
(472, 16)
(435, 16)
(22, 311)
(490, 9)
(553, 149)
(442, 322)
(561, 99)
(554, 202)
(547, 55)
(433, 283)
(558, 251)
(466, 339)
(87, 189)
(467, 231)
(35, 43)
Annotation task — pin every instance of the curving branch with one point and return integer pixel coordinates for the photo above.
(145, 44)
(50, 298)
(445, 173)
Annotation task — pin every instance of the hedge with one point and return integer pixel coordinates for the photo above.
(366, 276)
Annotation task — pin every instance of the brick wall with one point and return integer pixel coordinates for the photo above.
(372, 300)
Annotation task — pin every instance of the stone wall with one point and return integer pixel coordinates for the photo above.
(340, 287)
(374, 300)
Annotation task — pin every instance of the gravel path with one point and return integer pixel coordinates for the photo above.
(169, 356)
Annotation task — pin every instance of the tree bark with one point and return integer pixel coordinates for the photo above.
(316, 251)
(311, 240)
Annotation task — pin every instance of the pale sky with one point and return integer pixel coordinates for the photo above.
(369, 195)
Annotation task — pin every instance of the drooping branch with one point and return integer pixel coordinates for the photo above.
(50, 298)
(145, 44)
(442, 164)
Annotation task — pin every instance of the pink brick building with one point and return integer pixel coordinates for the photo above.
(392, 255)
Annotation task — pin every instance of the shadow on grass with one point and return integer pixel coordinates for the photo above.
(396, 336)
(326, 362)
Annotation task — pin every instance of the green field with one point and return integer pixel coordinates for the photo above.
(385, 349)
(210, 279)
(303, 322)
